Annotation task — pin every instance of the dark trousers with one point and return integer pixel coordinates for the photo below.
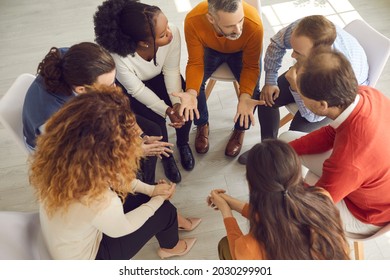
(212, 60)
(147, 172)
(269, 117)
(157, 85)
(163, 224)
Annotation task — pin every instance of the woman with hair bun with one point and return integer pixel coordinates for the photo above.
(146, 50)
(287, 220)
(67, 72)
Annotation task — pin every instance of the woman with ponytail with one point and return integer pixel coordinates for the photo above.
(287, 220)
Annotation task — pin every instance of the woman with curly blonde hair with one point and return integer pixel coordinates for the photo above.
(84, 166)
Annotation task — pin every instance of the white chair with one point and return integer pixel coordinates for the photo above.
(21, 237)
(223, 72)
(377, 48)
(359, 238)
(11, 106)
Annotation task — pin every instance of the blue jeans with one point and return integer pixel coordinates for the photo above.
(212, 60)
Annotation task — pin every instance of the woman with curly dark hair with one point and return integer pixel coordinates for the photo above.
(84, 166)
(146, 50)
(288, 220)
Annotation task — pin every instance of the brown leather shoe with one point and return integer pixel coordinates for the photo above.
(202, 138)
(234, 145)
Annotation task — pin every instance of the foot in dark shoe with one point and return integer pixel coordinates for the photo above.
(170, 169)
(186, 157)
(234, 145)
(243, 158)
(202, 138)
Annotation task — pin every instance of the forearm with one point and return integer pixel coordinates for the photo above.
(276, 50)
(234, 203)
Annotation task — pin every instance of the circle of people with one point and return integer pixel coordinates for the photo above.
(95, 121)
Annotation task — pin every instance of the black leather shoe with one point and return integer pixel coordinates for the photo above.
(170, 169)
(186, 157)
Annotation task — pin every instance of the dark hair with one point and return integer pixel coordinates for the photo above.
(318, 29)
(81, 65)
(291, 221)
(327, 75)
(228, 6)
(121, 24)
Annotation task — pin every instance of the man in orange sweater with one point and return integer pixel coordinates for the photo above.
(219, 31)
(356, 172)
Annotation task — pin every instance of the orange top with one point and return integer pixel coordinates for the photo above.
(200, 33)
(243, 247)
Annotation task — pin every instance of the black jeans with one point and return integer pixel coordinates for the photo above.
(269, 117)
(157, 85)
(147, 172)
(163, 224)
(212, 60)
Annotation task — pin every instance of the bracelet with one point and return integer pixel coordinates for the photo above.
(143, 134)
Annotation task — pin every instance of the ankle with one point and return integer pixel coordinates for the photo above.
(180, 247)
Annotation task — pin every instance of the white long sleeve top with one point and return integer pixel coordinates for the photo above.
(132, 71)
(77, 233)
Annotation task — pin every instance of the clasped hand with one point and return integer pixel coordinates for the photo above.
(177, 121)
(164, 189)
(216, 201)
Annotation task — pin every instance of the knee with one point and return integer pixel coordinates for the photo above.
(224, 250)
(169, 209)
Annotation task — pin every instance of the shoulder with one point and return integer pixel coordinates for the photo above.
(345, 42)
(38, 90)
(174, 29)
(199, 10)
(252, 15)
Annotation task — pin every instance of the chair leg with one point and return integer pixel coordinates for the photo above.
(359, 250)
(237, 88)
(209, 87)
(286, 119)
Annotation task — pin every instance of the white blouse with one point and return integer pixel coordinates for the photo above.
(77, 233)
(133, 70)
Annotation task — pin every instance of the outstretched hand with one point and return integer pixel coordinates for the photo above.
(189, 105)
(245, 108)
(152, 146)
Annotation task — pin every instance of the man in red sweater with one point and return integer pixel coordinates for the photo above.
(219, 31)
(357, 171)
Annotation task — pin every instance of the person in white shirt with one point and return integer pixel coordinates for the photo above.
(146, 50)
(84, 166)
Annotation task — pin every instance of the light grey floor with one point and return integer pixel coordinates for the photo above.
(28, 28)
